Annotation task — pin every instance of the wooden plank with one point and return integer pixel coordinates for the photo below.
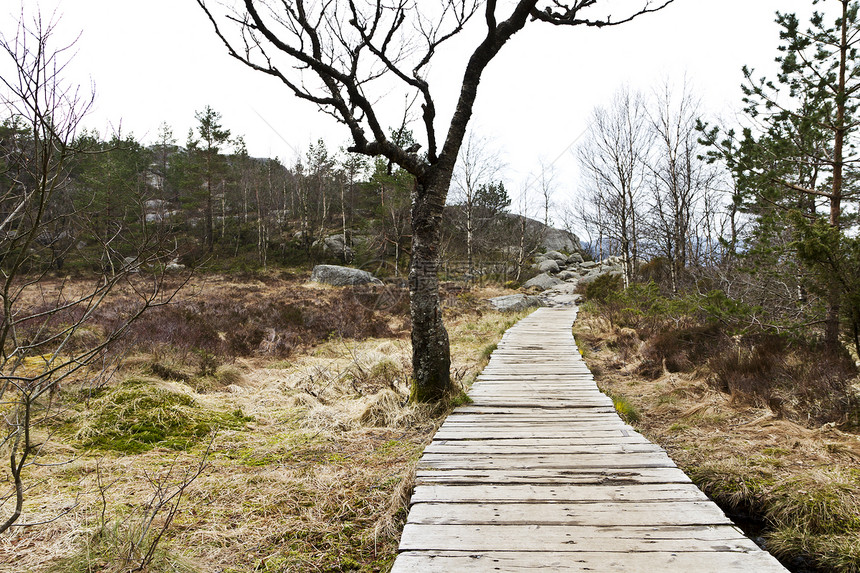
(631, 439)
(532, 414)
(573, 538)
(580, 562)
(493, 423)
(453, 433)
(556, 493)
(665, 513)
(542, 399)
(489, 447)
(559, 419)
(551, 476)
(524, 411)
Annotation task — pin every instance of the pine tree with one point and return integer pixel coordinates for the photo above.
(207, 147)
(797, 169)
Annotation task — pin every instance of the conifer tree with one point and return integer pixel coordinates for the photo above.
(797, 168)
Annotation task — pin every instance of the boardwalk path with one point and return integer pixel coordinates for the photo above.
(540, 474)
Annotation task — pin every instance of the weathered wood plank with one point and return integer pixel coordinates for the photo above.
(560, 460)
(453, 433)
(556, 493)
(573, 537)
(663, 513)
(525, 411)
(489, 447)
(545, 421)
(551, 476)
(581, 561)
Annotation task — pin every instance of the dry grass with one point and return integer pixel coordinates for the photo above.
(310, 469)
(800, 478)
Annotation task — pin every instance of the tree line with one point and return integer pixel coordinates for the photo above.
(224, 205)
(765, 211)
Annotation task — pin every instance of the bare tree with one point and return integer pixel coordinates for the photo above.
(42, 329)
(614, 161)
(478, 165)
(681, 178)
(341, 56)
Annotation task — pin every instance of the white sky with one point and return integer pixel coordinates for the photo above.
(158, 60)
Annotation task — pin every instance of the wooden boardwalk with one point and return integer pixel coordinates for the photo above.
(540, 474)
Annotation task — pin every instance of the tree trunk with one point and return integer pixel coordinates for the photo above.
(834, 295)
(208, 231)
(469, 236)
(431, 357)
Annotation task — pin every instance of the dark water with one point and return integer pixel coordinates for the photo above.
(755, 528)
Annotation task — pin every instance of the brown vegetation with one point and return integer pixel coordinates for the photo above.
(766, 426)
(314, 438)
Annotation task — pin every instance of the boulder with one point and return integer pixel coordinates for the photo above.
(336, 246)
(575, 259)
(342, 276)
(588, 265)
(131, 264)
(515, 302)
(543, 282)
(568, 275)
(555, 256)
(549, 266)
(174, 266)
(590, 277)
(559, 240)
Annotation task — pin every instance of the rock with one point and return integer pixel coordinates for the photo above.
(342, 276)
(543, 282)
(575, 259)
(515, 302)
(174, 266)
(161, 216)
(154, 205)
(131, 264)
(555, 256)
(548, 266)
(590, 277)
(336, 246)
(559, 240)
(588, 265)
(568, 275)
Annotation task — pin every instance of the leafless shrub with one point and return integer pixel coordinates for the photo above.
(795, 379)
(48, 333)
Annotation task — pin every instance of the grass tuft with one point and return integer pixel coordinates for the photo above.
(141, 414)
(625, 408)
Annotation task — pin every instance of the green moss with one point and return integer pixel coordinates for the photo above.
(461, 399)
(487, 351)
(625, 408)
(141, 414)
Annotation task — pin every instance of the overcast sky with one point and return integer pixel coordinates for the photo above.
(158, 61)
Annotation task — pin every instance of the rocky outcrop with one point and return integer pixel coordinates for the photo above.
(560, 258)
(543, 282)
(159, 211)
(557, 268)
(549, 266)
(336, 246)
(515, 302)
(342, 276)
